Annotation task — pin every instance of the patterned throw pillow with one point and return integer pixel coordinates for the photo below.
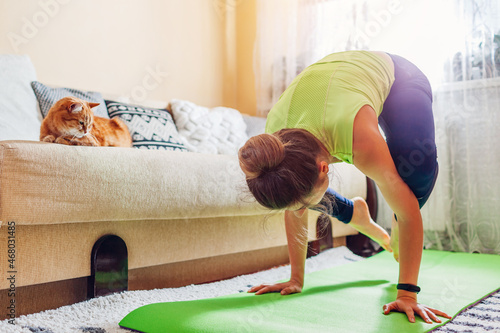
(150, 128)
(218, 130)
(47, 96)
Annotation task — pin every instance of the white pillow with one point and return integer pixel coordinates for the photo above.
(20, 118)
(219, 130)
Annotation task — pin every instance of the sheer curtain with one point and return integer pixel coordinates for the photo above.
(292, 34)
(466, 110)
(457, 45)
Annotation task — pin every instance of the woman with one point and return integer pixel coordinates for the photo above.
(331, 112)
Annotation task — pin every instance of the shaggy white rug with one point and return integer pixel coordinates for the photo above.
(102, 314)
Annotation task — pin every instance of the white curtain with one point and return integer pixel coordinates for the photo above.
(456, 43)
(467, 114)
(292, 34)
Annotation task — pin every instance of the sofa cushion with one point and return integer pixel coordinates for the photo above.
(19, 118)
(47, 96)
(150, 128)
(219, 130)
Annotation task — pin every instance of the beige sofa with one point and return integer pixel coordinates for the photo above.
(184, 217)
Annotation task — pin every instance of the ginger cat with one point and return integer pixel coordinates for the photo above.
(71, 121)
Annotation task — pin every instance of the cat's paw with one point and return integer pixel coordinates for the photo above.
(64, 141)
(49, 138)
(79, 143)
(86, 142)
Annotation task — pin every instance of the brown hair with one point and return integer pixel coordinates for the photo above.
(281, 169)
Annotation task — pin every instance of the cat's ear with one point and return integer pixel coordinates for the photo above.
(93, 105)
(75, 107)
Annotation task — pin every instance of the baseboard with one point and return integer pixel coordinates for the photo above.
(44, 296)
(206, 269)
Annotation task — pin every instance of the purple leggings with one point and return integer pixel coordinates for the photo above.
(408, 125)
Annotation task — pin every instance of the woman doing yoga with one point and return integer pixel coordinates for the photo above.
(330, 113)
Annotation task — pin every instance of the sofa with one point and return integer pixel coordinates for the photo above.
(183, 212)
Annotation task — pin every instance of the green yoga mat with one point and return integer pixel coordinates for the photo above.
(347, 298)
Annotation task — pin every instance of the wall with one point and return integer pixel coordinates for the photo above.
(150, 49)
(246, 25)
(240, 17)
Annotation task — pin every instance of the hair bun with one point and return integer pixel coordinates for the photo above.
(261, 154)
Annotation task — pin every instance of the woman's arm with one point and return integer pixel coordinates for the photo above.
(297, 235)
(372, 157)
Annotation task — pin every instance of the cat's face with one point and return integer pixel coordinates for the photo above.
(74, 117)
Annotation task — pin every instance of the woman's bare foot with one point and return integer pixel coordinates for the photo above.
(395, 238)
(362, 222)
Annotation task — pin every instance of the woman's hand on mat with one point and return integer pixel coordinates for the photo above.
(409, 305)
(285, 288)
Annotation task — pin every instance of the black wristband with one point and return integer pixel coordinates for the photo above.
(408, 287)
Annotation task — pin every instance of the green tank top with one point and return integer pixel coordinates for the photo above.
(325, 98)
